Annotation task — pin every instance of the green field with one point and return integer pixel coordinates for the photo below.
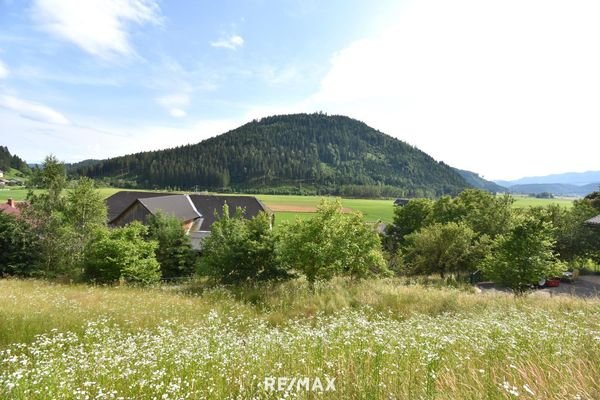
(373, 210)
(379, 339)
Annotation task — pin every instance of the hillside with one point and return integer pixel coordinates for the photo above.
(478, 182)
(10, 161)
(297, 153)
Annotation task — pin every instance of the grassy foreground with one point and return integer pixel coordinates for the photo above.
(379, 339)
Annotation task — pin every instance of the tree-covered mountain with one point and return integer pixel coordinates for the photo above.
(300, 152)
(478, 182)
(8, 161)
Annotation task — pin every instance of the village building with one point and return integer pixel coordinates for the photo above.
(1, 174)
(594, 221)
(401, 202)
(197, 212)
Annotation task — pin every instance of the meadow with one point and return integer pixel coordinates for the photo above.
(378, 339)
(289, 207)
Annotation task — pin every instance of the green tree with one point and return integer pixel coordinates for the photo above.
(486, 213)
(19, 249)
(85, 213)
(331, 243)
(442, 248)
(241, 250)
(52, 177)
(573, 238)
(122, 253)
(64, 224)
(416, 214)
(523, 255)
(594, 200)
(174, 253)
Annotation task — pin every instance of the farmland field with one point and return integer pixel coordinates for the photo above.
(379, 339)
(289, 206)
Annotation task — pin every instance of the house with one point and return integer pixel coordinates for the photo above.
(10, 207)
(401, 202)
(195, 211)
(594, 221)
(1, 174)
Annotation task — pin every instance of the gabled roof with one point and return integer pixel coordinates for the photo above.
(209, 204)
(594, 221)
(120, 201)
(204, 205)
(179, 206)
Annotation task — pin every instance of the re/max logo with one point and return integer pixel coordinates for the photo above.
(290, 384)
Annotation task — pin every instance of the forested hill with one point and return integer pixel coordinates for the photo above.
(8, 161)
(308, 152)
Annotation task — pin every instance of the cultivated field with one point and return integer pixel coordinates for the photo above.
(288, 207)
(379, 339)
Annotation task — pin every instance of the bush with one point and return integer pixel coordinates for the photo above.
(122, 253)
(330, 244)
(524, 255)
(174, 253)
(19, 249)
(442, 248)
(241, 250)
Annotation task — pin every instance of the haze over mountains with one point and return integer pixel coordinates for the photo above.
(566, 184)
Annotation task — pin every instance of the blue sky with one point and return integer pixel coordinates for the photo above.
(506, 89)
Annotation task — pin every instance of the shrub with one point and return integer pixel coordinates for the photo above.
(523, 255)
(241, 250)
(19, 250)
(174, 253)
(330, 244)
(442, 248)
(122, 253)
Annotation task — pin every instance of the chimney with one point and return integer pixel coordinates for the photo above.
(11, 203)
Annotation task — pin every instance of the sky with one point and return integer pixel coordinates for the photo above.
(504, 88)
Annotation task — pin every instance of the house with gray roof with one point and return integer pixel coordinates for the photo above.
(197, 212)
(594, 221)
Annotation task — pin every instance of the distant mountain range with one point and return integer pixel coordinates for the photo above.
(571, 178)
(567, 184)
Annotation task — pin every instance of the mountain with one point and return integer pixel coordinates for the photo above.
(478, 182)
(300, 153)
(8, 161)
(570, 178)
(557, 189)
(78, 165)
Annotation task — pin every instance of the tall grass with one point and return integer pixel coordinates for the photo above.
(377, 338)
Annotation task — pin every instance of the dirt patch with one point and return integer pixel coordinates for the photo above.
(299, 209)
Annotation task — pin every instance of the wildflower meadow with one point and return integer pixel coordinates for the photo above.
(370, 340)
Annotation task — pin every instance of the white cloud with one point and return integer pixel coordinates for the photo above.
(3, 70)
(175, 104)
(232, 42)
(503, 88)
(76, 142)
(97, 26)
(33, 111)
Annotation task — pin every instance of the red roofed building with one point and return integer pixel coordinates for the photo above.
(10, 207)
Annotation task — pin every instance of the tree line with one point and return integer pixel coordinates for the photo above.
(480, 232)
(8, 161)
(62, 234)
